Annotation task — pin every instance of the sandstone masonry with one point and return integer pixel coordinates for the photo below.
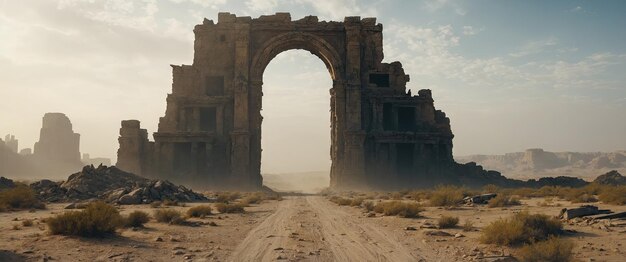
(382, 135)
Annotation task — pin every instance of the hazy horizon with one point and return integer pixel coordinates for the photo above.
(510, 76)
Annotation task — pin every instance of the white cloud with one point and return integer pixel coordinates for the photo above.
(428, 55)
(262, 5)
(577, 9)
(470, 30)
(437, 5)
(338, 9)
(535, 47)
(213, 4)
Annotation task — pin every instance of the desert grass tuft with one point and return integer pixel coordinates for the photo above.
(521, 228)
(20, 197)
(136, 219)
(447, 222)
(399, 208)
(199, 211)
(229, 208)
(169, 216)
(554, 249)
(504, 200)
(446, 196)
(97, 219)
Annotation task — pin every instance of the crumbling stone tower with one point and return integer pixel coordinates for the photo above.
(211, 132)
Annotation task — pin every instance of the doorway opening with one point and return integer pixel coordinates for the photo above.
(296, 123)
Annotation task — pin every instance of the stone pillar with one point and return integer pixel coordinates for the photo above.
(132, 140)
(240, 137)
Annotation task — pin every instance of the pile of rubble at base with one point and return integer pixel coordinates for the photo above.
(112, 185)
(6, 183)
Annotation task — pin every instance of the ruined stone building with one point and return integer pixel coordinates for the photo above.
(11, 143)
(382, 135)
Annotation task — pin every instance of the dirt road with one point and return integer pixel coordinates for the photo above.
(310, 228)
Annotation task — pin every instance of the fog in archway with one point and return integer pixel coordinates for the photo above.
(296, 120)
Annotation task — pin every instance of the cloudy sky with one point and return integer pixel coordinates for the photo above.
(510, 74)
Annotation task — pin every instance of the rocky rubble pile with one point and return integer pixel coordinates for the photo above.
(112, 185)
(6, 183)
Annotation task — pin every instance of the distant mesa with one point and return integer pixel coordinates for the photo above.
(538, 162)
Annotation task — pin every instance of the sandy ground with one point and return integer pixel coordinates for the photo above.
(299, 228)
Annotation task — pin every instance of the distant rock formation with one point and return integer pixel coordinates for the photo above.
(539, 163)
(56, 154)
(57, 140)
(613, 178)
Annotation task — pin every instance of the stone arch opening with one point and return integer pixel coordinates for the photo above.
(262, 58)
(296, 40)
(295, 128)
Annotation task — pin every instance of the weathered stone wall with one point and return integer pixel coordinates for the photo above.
(381, 136)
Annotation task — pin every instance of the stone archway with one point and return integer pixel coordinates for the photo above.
(211, 132)
(264, 55)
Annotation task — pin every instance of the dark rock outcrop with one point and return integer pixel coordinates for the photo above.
(613, 178)
(6, 183)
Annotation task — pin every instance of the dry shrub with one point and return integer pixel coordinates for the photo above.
(368, 205)
(398, 208)
(554, 249)
(199, 211)
(136, 219)
(170, 216)
(27, 222)
(97, 219)
(468, 225)
(447, 196)
(521, 228)
(490, 188)
(417, 195)
(20, 197)
(447, 221)
(156, 204)
(340, 200)
(502, 200)
(225, 197)
(16, 227)
(254, 198)
(169, 203)
(397, 196)
(229, 208)
(355, 202)
(272, 196)
(613, 195)
(577, 195)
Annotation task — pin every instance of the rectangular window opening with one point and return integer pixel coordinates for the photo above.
(406, 118)
(380, 80)
(207, 119)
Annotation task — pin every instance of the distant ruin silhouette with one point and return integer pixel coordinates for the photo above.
(381, 135)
